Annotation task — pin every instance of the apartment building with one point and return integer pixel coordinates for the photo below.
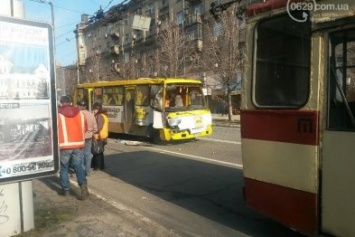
(126, 42)
(122, 42)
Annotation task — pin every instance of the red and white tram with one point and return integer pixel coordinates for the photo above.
(297, 114)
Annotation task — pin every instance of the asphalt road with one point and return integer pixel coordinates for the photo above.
(187, 189)
(192, 188)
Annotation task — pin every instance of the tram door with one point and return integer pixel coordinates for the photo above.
(338, 147)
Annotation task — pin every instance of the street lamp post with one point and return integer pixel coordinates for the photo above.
(52, 17)
(52, 13)
(51, 5)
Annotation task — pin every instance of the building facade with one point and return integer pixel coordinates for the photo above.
(117, 45)
(138, 39)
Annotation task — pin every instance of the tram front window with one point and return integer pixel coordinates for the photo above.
(282, 63)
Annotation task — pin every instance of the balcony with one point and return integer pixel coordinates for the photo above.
(193, 19)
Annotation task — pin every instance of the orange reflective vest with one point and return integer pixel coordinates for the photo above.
(71, 131)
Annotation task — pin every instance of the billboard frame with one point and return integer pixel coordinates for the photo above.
(28, 103)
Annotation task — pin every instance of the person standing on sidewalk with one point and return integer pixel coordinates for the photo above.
(71, 130)
(98, 160)
(91, 130)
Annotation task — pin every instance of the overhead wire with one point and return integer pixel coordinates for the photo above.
(94, 2)
(72, 10)
(108, 5)
(66, 41)
(57, 27)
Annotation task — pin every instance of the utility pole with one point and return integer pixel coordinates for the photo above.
(17, 197)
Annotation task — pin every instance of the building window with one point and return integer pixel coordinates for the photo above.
(150, 9)
(180, 18)
(198, 9)
(217, 29)
(126, 57)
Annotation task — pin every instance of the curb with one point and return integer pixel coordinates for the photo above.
(224, 123)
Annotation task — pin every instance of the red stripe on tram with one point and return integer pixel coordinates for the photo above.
(293, 208)
(290, 126)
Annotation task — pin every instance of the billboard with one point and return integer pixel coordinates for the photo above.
(141, 22)
(28, 109)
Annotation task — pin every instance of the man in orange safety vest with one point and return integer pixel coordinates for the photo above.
(71, 135)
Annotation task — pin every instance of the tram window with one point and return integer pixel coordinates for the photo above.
(341, 83)
(282, 63)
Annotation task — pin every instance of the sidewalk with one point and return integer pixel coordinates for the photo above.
(219, 120)
(66, 216)
(95, 217)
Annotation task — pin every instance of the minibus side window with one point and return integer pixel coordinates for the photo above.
(118, 95)
(156, 96)
(142, 95)
(107, 97)
(98, 95)
(80, 94)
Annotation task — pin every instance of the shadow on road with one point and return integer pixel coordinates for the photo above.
(210, 190)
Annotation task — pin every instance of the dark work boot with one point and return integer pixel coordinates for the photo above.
(64, 193)
(84, 192)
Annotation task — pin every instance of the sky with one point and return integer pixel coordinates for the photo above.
(67, 14)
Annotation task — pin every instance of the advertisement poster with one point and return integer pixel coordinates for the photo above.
(28, 125)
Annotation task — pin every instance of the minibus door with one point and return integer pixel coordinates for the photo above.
(89, 98)
(129, 104)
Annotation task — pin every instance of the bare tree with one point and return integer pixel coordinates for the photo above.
(222, 52)
(152, 62)
(71, 81)
(175, 50)
(67, 78)
(95, 69)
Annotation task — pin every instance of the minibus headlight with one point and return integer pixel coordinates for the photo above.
(173, 122)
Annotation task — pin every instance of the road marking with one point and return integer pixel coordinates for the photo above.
(218, 140)
(197, 157)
